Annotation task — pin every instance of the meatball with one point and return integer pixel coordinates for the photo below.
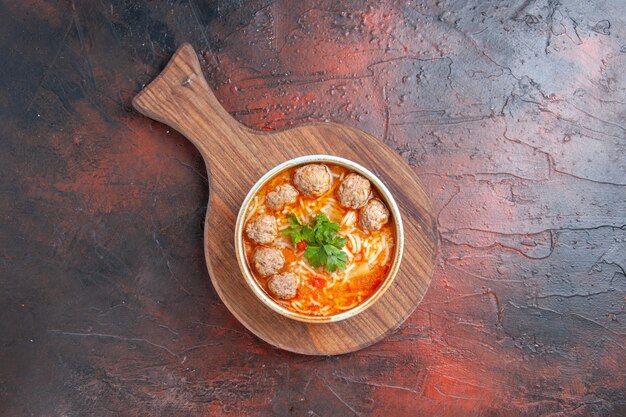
(268, 261)
(283, 285)
(312, 179)
(373, 215)
(282, 195)
(354, 191)
(262, 229)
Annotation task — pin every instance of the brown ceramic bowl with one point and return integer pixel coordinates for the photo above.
(394, 217)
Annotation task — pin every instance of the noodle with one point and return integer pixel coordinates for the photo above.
(319, 292)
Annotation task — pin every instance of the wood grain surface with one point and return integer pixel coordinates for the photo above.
(236, 157)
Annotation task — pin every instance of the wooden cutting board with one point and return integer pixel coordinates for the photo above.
(237, 156)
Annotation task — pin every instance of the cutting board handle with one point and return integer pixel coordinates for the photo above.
(181, 98)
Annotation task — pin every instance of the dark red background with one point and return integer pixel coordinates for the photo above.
(513, 116)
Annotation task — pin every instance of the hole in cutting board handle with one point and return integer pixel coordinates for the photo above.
(180, 97)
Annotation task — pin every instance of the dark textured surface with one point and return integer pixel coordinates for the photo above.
(512, 115)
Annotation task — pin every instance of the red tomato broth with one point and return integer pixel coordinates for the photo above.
(321, 293)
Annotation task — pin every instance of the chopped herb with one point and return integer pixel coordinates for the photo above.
(323, 245)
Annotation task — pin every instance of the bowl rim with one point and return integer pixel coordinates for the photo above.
(386, 196)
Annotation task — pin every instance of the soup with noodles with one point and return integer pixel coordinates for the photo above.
(318, 239)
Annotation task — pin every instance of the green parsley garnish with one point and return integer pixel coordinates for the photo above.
(324, 246)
